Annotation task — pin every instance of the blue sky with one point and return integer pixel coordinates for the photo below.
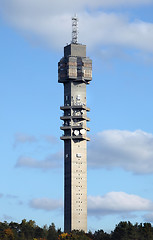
(119, 36)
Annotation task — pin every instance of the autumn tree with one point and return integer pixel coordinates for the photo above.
(8, 234)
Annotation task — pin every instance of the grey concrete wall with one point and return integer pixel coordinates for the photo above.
(75, 71)
(75, 50)
(67, 185)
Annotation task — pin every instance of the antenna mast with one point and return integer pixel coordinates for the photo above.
(75, 29)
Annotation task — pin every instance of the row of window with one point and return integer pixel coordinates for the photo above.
(79, 72)
(78, 155)
(77, 97)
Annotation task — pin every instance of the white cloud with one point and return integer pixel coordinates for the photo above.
(114, 4)
(117, 203)
(51, 139)
(149, 217)
(116, 30)
(132, 151)
(23, 138)
(58, 6)
(50, 162)
(46, 204)
(1, 195)
(50, 22)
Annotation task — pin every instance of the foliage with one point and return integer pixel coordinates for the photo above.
(28, 230)
(127, 231)
(76, 235)
(101, 235)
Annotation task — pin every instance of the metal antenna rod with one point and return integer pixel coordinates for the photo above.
(75, 29)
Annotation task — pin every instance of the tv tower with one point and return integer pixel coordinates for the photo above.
(75, 72)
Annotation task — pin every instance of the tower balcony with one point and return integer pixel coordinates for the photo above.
(65, 117)
(79, 137)
(64, 127)
(84, 117)
(76, 106)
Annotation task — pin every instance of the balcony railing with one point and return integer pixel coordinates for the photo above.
(75, 106)
(80, 136)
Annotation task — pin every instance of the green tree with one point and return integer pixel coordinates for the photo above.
(145, 231)
(121, 231)
(27, 229)
(52, 233)
(101, 235)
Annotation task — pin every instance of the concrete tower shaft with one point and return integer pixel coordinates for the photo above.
(75, 72)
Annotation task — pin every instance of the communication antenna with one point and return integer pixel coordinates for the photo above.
(75, 29)
(76, 132)
(82, 131)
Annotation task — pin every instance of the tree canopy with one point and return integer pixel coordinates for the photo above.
(28, 230)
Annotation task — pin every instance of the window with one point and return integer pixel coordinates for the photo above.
(78, 97)
(78, 155)
(88, 73)
(72, 72)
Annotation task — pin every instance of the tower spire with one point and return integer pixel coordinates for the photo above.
(75, 29)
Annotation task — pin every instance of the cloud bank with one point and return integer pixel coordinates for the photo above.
(117, 203)
(22, 138)
(110, 149)
(46, 204)
(50, 162)
(50, 23)
(131, 151)
(40, 144)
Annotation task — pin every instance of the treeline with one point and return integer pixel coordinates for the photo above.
(28, 230)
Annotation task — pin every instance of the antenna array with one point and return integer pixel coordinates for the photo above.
(74, 29)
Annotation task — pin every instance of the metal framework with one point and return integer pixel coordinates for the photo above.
(74, 29)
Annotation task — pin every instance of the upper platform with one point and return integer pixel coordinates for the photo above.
(75, 50)
(75, 66)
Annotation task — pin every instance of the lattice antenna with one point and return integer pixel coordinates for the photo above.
(75, 29)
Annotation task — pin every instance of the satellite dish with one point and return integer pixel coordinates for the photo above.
(76, 132)
(82, 131)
